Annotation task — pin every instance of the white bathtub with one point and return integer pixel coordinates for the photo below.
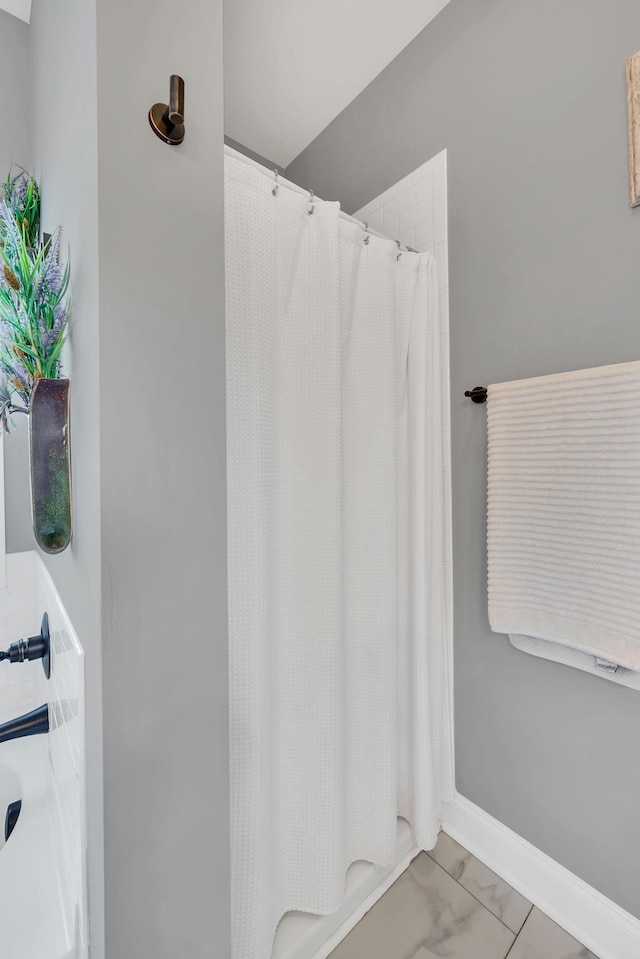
(42, 865)
(32, 920)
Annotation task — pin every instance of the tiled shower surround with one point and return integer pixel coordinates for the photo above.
(28, 594)
(414, 210)
(447, 903)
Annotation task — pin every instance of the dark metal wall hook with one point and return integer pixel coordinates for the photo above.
(477, 395)
(167, 119)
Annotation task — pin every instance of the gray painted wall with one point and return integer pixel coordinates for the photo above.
(528, 96)
(63, 66)
(241, 148)
(15, 147)
(145, 578)
(15, 142)
(163, 489)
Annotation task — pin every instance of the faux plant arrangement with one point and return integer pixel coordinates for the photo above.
(34, 309)
(34, 324)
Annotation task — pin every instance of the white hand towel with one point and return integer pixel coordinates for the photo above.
(564, 512)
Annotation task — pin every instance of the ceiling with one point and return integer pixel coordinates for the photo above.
(19, 8)
(291, 66)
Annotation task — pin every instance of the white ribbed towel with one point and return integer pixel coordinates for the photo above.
(564, 510)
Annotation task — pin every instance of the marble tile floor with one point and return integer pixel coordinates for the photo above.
(449, 905)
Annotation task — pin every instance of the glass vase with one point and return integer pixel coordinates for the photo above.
(50, 464)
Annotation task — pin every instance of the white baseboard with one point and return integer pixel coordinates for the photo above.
(597, 922)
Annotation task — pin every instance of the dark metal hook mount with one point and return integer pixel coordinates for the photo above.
(477, 395)
(167, 119)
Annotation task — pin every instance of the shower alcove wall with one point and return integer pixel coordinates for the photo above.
(413, 211)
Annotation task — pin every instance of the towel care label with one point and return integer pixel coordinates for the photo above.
(606, 664)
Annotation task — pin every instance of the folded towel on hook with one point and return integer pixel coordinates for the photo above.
(564, 517)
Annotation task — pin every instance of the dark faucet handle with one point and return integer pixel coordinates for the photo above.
(36, 647)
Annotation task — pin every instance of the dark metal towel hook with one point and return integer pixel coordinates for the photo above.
(167, 119)
(477, 395)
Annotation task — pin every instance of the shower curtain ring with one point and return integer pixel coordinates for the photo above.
(366, 233)
(276, 185)
(311, 208)
(399, 250)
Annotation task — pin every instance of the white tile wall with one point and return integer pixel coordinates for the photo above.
(414, 211)
(29, 593)
(67, 756)
(18, 617)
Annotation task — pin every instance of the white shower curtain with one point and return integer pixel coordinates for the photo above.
(339, 703)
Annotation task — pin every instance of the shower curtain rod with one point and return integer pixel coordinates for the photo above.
(283, 182)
